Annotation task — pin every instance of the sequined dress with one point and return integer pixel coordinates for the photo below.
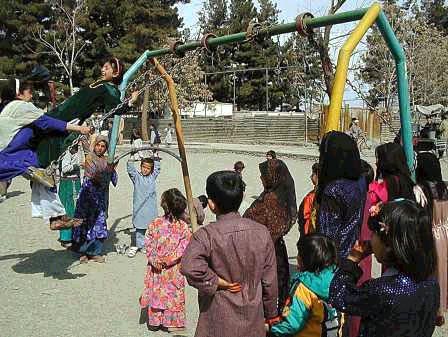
(393, 305)
(340, 212)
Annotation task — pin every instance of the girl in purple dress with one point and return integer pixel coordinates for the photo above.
(405, 299)
(92, 203)
(341, 191)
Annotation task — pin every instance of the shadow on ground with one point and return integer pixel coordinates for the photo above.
(14, 194)
(50, 262)
(109, 244)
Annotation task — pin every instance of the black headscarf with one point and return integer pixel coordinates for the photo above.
(393, 169)
(429, 172)
(339, 158)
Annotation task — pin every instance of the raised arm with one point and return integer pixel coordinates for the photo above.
(347, 297)
(132, 171)
(156, 171)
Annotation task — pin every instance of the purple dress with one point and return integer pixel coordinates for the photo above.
(92, 206)
(341, 212)
(21, 151)
(393, 305)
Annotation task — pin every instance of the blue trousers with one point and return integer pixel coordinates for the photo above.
(139, 238)
(92, 248)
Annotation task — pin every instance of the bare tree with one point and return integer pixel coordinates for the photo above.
(63, 39)
(321, 41)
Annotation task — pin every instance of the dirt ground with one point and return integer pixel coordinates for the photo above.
(46, 292)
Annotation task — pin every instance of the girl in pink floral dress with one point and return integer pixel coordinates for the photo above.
(166, 239)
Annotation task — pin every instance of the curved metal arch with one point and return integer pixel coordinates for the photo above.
(145, 148)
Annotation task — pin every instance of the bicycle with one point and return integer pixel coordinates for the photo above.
(363, 145)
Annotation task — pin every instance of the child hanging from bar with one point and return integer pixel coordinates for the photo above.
(25, 128)
(144, 209)
(25, 132)
(91, 205)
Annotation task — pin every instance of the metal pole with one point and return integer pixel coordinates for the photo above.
(403, 89)
(267, 90)
(180, 141)
(234, 91)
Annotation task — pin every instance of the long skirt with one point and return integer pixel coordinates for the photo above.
(281, 255)
(68, 193)
(91, 207)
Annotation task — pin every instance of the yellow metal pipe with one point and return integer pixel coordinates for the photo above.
(337, 92)
(180, 140)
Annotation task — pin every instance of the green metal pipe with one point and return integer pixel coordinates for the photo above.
(403, 87)
(335, 19)
(240, 37)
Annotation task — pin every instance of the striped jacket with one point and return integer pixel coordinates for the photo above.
(306, 313)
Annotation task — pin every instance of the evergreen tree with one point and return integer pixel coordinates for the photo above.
(123, 28)
(436, 12)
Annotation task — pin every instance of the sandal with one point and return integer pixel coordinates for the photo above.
(132, 251)
(40, 176)
(64, 222)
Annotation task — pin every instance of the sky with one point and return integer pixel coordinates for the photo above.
(289, 9)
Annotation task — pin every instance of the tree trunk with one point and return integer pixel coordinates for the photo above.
(144, 116)
(70, 83)
(327, 68)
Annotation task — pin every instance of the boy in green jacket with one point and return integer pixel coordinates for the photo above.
(306, 312)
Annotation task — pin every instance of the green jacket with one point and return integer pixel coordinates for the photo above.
(100, 95)
(305, 313)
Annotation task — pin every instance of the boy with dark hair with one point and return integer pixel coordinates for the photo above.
(238, 167)
(144, 199)
(232, 264)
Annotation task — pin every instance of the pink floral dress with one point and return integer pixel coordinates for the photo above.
(164, 293)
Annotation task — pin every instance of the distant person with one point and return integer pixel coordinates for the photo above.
(154, 136)
(271, 155)
(306, 208)
(428, 131)
(167, 237)
(354, 130)
(169, 132)
(135, 134)
(144, 199)
(443, 134)
(200, 204)
(238, 167)
(232, 264)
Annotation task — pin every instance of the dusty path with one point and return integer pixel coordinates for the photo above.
(44, 290)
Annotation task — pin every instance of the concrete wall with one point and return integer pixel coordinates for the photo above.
(289, 129)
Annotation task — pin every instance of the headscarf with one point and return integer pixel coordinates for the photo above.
(393, 169)
(95, 166)
(276, 207)
(429, 171)
(339, 159)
